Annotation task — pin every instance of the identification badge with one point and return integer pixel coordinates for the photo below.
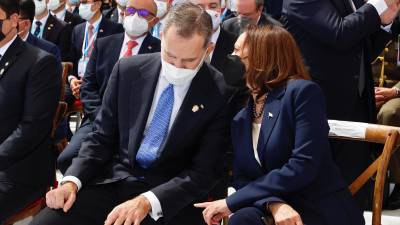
(82, 66)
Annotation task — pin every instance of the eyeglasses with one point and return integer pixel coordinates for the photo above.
(141, 12)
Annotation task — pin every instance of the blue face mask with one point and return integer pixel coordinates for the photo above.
(74, 2)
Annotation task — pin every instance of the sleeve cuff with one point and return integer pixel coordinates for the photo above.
(156, 211)
(388, 27)
(72, 179)
(379, 5)
(70, 77)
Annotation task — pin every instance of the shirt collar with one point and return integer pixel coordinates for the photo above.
(215, 35)
(5, 47)
(26, 37)
(96, 23)
(60, 15)
(139, 40)
(43, 20)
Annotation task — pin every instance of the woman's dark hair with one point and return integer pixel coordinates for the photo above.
(274, 58)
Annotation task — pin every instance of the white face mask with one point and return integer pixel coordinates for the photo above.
(179, 76)
(135, 25)
(162, 8)
(40, 7)
(215, 17)
(122, 2)
(85, 11)
(53, 5)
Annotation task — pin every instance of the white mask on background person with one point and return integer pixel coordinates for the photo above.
(232, 5)
(179, 76)
(122, 2)
(53, 4)
(85, 11)
(135, 25)
(162, 8)
(215, 17)
(40, 7)
(223, 4)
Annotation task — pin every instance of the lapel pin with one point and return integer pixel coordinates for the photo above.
(195, 108)
(270, 115)
(51, 25)
(150, 47)
(1, 71)
(101, 30)
(202, 106)
(7, 63)
(49, 28)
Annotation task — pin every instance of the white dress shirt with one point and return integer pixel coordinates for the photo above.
(5, 47)
(214, 39)
(380, 6)
(43, 21)
(120, 18)
(255, 131)
(60, 15)
(179, 95)
(135, 50)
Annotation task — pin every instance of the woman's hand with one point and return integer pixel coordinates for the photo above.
(214, 211)
(284, 214)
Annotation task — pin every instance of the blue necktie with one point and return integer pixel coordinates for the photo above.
(157, 130)
(37, 29)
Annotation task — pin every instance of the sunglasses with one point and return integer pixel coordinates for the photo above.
(141, 12)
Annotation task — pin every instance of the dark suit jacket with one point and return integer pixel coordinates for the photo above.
(224, 46)
(106, 28)
(30, 84)
(332, 40)
(188, 165)
(73, 19)
(273, 8)
(57, 31)
(296, 162)
(233, 26)
(105, 55)
(111, 14)
(44, 45)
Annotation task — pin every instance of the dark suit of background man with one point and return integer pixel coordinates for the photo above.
(157, 139)
(59, 10)
(83, 39)
(107, 51)
(73, 6)
(29, 92)
(116, 13)
(249, 12)
(338, 40)
(46, 26)
(273, 8)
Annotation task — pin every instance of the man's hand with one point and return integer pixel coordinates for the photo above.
(391, 12)
(75, 85)
(214, 211)
(382, 95)
(62, 197)
(129, 212)
(284, 214)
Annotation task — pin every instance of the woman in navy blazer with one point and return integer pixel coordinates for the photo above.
(283, 168)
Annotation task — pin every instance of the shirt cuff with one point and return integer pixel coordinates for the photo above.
(379, 5)
(388, 27)
(70, 77)
(72, 179)
(156, 211)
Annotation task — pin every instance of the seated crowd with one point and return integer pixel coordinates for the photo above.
(176, 94)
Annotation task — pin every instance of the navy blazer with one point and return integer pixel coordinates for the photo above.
(106, 28)
(104, 56)
(188, 165)
(332, 39)
(44, 45)
(296, 162)
(30, 85)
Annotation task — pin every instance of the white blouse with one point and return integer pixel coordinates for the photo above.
(256, 134)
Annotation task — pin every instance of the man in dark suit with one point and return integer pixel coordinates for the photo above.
(116, 13)
(273, 8)
(29, 93)
(59, 10)
(338, 40)
(72, 6)
(157, 139)
(26, 15)
(106, 53)
(84, 36)
(249, 12)
(46, 26)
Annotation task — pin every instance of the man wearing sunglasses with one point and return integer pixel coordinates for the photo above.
(107, 51)
(84, 36)
(29, 93)
(157, 140)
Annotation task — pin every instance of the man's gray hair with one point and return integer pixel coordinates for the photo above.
(189, 19)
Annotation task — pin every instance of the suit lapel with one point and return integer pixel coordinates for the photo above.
(146, 46)
(102, 28)
(10, 56)
(49, 27)
(115, 48)
(219, 48)
(272, 109)
(141, 98)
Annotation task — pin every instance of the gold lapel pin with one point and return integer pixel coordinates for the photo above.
(150, 47)
(270, 115)
(7, 64)
(202, 106)
(49, 28)
(51, 25)
(101, 30)
(1, 71)
(195, 108)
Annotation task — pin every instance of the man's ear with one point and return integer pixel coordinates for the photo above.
(210, 48)
(14, 18)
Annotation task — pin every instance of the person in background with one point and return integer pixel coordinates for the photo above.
(283, 165)
(163, 7)
(59, 10)
(249, 12)
(107, 51)
(116, 14)
(47, 27)
(144, 162)
(72, 6)
(30, 87)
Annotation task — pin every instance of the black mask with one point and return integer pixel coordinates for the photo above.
(235, 69)
(2, 36)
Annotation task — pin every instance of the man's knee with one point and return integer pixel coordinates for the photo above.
(49, 217)
(249, 215)
(389, 115)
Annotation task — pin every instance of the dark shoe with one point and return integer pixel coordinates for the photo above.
(394, 199)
